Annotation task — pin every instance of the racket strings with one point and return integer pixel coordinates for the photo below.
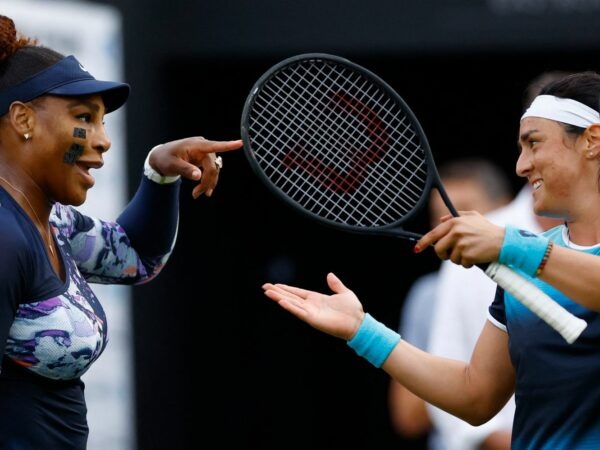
(310, 114)
(338, 145)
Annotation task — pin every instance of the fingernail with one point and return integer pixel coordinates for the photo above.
(416, 249)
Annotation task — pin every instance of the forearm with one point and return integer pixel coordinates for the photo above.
(469, 391)
(576, 274)
(151, 218)
(573, 272)
(440, 381)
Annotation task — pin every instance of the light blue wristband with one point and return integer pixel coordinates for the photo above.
(374, 341)
(523, 250)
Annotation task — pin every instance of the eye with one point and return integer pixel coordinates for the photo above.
(532, 142)
(86, 117)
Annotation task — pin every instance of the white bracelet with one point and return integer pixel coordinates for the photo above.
(153, 175)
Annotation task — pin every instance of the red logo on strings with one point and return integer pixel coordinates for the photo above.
(361, 158)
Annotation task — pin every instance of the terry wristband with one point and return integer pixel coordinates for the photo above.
(374, 341)
(523, 250)
(153, 175)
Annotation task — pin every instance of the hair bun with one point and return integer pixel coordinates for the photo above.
(8, 37)
(10, 40)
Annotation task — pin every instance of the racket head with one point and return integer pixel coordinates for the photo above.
(337, 143)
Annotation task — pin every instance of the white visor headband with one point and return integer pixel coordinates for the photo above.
(562, 110)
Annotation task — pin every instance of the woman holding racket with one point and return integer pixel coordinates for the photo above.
(555, 382)
(52, 327)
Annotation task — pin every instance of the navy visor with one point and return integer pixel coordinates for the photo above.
(67, 78)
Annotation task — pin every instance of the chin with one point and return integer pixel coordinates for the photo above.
(78, 200)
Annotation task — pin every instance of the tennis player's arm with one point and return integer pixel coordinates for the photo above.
(151, 218)
(473, 391)
(575, 274)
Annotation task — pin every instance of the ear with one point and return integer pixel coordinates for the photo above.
(592, 141)
(22, 118)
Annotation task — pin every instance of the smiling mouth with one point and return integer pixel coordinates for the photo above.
(537, 184)
(85, 171)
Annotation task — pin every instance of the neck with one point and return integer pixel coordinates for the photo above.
(27, 193)
(42, 223)
(548, 222)
(583, 234)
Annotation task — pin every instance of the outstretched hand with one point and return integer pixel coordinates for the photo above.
(339, 315)
(193, 158)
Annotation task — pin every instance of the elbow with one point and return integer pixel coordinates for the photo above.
(480, 414)
(484, 400)
(149, 269)
(476, 421)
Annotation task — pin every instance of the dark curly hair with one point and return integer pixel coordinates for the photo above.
(21, 56)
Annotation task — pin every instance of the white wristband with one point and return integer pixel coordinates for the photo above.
(153, 175)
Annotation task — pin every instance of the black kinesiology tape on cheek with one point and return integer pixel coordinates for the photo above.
(79, 133)
(74, 152)
(76, 149)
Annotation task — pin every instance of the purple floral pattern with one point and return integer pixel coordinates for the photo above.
(61, 336)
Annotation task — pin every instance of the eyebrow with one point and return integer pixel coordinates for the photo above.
(523, 137)
(78, 100)
(526, 134)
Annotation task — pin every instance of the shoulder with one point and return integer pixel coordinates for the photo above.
(12, 235)
(68, 220)
(15, 245)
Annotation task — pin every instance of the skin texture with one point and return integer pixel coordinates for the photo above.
(563, 171)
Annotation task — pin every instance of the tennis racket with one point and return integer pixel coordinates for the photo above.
(338, 144)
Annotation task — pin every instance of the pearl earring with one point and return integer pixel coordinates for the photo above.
(27, 136)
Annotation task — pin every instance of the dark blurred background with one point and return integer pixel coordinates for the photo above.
(217, 365)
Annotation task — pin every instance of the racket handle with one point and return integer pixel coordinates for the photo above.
(568, 325)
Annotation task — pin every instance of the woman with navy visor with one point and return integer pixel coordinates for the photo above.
(52, 327)
(556, 384)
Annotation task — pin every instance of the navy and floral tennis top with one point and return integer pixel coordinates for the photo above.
(57, 328)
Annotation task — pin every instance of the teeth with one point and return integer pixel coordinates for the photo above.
(537, 184)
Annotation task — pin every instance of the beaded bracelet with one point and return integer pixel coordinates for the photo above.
(544, 259)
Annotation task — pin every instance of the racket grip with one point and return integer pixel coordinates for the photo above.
(568, 325)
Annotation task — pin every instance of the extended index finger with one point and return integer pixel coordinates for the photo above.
(433, 236)
(207, 146)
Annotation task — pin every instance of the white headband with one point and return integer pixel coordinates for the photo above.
(562, 110)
